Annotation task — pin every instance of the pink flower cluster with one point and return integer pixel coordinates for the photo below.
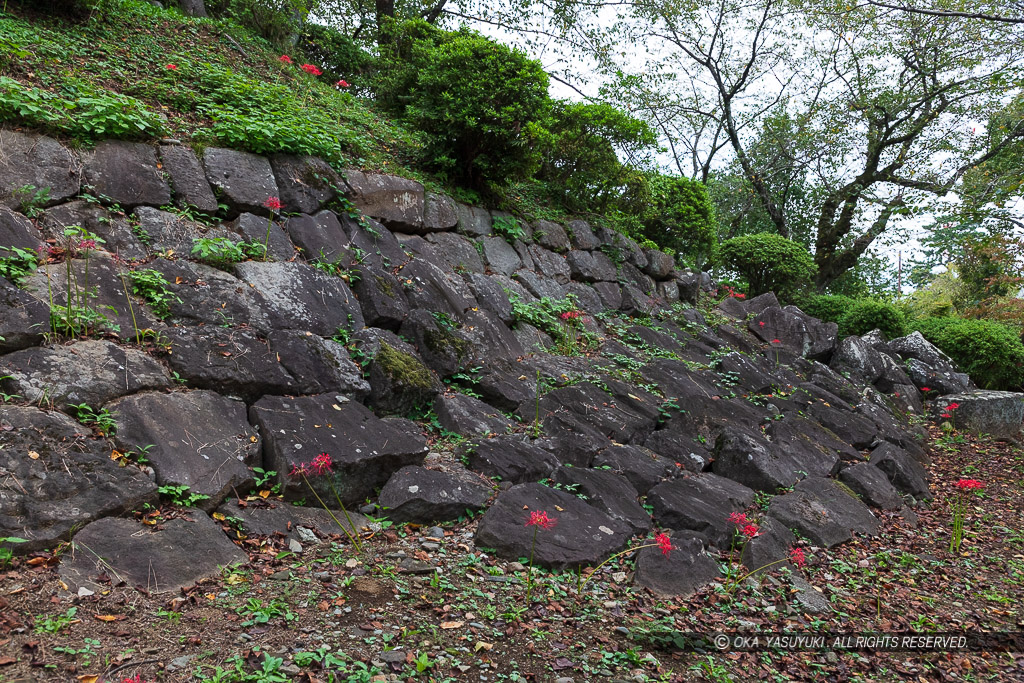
(316, 467)
(571, 315)
(273, 203)
(746, 527)
(969, 484)
(539, 518)
(664, 543)
(949, 409)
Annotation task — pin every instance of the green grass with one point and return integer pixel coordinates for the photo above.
(108, 77)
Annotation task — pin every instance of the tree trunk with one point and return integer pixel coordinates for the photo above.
(193, 8)
(385, 9)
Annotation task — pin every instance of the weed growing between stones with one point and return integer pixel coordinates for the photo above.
(273, 204)
(76, 317)
(19, 265)
(320, 466)
(964, 489)
(6, 553)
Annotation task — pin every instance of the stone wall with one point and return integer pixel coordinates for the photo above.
(378, 301)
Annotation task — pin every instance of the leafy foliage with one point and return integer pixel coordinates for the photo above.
(581, 165)
(482, 103)
(827, 307)
(868, 314)
(680, 216)
(768, 263)
(991, 353)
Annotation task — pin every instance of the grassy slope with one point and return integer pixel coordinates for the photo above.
(229, 88)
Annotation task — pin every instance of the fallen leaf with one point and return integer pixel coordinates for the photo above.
(452, 624)
(33, 455)
(481, 645)
(88, 678)
(110, 617)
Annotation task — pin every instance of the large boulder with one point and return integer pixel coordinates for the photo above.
(203, 295)
(509, 458)
(381, 298)
(581, 536)
(609, 492)
(191, 188)
(439, 213)
(305, 183)
(641, 467)
(260, 230)
(680, 572)
(871, 484)
(399, 381)
(56, 479)
(459, 252)
(296, 296)
(37, 162)
(127, 173)
(823, 512)
(245, 181)
(396, 202)
(364, 449)
(320, 237)
(23, 318)
(18, 231)
(469, 416)
(416, 494)
(928, 366)
(996, 413)
(170, 234)
(91, 372)
(272, 517)
(903, 471)
(550, 236)
(700, 503)
(176, 554)
(750, 459)
(197, 439)
(111, 227)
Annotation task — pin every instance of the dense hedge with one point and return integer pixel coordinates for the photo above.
(827, 307)
(867, 314)
(991, 353)
(769, 263)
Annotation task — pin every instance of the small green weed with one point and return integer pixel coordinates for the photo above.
(181, 495)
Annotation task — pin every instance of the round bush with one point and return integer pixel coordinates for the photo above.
(827, 307)
(484, 106)
(769, 263)
(681, 217)
(991, 353)
(867, 314)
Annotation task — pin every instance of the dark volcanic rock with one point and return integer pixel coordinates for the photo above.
(684, 570)
(823, 512)
(772, 544)
(473, 220)
(902, 470)
(151, 559)
(245, 180)
(188, 178)
(812, 448)
(305, 183)
(39, 162)
(469, 416)
(127, 173)
(55, 479)
(91, 372)
(550, 236)
(18, 231)
(112, 228)
(197, 439)
(753, 461)
(320, 237)
(582, 535)
(701, 503)
(365, 450)
(395, 202)
(299, 297)
(381, 298)
(439, 213)
(871, 484)
(23, 318)
(509, 458)
(460, 253)
(318, 365)
(163, 231)
(415, 494)
(267, 518)
(260, 230)
(200, 294)
(996, 413)
(642, 467)
(500, 255)
(399, 381)
(582, 236)
(609, 492)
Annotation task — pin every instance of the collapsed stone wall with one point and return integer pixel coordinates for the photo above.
(664, 412)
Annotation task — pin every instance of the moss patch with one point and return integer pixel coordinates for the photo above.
(403, 368)
(441, 341)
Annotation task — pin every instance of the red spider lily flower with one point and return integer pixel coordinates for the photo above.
(761, 323)
(749, 531)
(797, 556)
(946, 415)
(776, 341)
(570, 315)
(738, 518)
(137, 678)
(969, 484)
(925, 389)
(539, 518)
(171, 67)
(273, 203)
(311, 69)
(87, 244)
(285, 59)
(952, 406)
(664, 543)
(299, 470)
(321, 464)
(740, 296)
(342, 84)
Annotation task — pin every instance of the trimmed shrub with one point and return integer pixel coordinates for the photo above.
(581, 166)
(680, 217)
(827, 307)
(991, 353)
(484, 106)
(868, 314)
(769, 263)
